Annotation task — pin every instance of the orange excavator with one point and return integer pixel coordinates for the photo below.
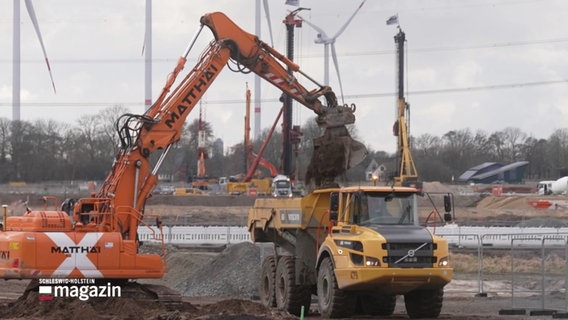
(97, 236)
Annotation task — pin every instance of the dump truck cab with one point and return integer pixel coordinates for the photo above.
(378, 228)
(356, 248)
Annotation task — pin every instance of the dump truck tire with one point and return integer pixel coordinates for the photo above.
(375, 304)
(424, 303)
(332, 302)
(289, 295)
(267, 292)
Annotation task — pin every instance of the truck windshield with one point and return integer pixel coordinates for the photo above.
(282, 184)
(381, 208)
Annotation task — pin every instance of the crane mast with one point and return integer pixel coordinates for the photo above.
(201, 144)
(406, 174)
(250, 156)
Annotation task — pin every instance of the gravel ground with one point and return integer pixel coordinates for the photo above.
(235, 271)
(223, 285)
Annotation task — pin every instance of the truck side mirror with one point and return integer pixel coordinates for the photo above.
(447, 208)
(447, 203)
(333, 206)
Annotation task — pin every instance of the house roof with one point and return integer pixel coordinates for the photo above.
(474, 170)
(373, 165)
(508, 167)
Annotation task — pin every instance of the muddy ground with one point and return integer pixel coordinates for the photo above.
(223, 285)
(459, 303)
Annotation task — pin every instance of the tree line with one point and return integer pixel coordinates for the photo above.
(48, 150)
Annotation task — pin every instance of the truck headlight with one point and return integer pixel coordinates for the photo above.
(444, 262)
(372, 262)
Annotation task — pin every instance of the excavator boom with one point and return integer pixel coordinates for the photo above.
(101, 239)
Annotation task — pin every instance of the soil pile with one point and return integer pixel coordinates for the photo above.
(200, 215)
(435, 186)
(231, 277)
(181, 263)
(28, 306)
(233, 273)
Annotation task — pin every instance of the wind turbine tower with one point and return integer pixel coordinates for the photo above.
(257, 92)
(147, 50)
(16, 55)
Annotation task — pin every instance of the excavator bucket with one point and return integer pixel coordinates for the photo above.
(334, 153)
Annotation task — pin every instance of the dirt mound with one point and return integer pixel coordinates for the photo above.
(242, 309)
(29, 306)
(435, 186)
(207, 201)
(513, 201)
(199, 215)
(509, 202)
(233, 273)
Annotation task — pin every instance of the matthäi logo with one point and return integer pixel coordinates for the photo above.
(83, 289)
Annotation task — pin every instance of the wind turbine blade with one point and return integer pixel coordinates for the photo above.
(267, 13)
(334, 56)
(348, 21)
(318, 29)
(31, 12)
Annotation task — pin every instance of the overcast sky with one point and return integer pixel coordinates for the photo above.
(477, 64)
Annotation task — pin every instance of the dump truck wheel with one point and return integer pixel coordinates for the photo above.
(378, 304)
(424, 303)
(290, 296)
(333, 302)
(267, 293)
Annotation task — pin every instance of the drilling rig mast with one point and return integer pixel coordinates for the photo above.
(406, 174)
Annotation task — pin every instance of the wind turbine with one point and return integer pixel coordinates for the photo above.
(147, 53)
(257, 91)
(323, 38)
(16, 55)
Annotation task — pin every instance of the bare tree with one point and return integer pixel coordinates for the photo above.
(4, 139)
(513, 140)
(106, 127)
(558, 151)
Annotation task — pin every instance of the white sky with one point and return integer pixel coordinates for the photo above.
(462, 59)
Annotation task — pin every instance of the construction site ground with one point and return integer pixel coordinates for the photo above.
(222, 283)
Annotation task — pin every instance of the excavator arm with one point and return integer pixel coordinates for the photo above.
(101, 240)
(132, 178)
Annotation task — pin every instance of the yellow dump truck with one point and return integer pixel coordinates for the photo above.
(356, 248)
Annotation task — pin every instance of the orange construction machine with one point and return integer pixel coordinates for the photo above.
(97, 236)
